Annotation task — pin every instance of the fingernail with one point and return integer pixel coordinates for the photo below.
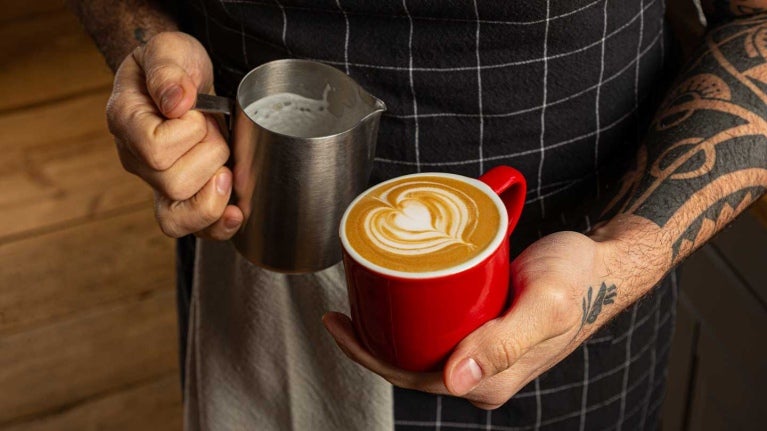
(231, 223)
(223, 183)
(466, 376)
(170, 98)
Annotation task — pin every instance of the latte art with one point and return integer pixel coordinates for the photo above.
(419, 218)
(422, 223)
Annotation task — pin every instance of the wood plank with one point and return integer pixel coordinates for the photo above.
(51, 276)
(151, 406)
(71, 361)
(15, 9)
(54, 122)
(47, 58)
(58, 164)
(56, 184)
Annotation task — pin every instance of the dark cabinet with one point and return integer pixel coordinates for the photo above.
(718, 359)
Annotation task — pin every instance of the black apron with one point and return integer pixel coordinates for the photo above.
(562, 90)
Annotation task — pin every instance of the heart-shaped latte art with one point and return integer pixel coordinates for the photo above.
(421, 218)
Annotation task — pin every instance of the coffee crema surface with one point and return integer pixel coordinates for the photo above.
(422, 223)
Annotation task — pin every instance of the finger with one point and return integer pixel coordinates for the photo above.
(179, 218)
(493, 392)
(490, 394)
(485, 406)
(134, 119)
(171, 62)
(340, 327)
(190, 172)
(226, 226)
(500, 343)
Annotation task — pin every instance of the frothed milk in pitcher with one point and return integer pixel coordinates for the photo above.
(295, 115)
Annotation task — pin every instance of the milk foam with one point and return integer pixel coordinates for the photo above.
(294, 115)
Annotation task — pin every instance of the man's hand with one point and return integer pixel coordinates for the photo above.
(178, 151)
(564, 290)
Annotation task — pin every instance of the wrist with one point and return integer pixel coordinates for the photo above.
(118, 27)
(634, 252)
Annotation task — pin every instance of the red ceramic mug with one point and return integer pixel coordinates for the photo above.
(414, 319)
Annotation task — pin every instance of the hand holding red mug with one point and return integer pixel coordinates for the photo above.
(548, 319)
(544, 324)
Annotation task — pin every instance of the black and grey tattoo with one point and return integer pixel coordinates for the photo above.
(592, 306)
(709, 139)
(140, 35)
(734, 8)
(709, 222)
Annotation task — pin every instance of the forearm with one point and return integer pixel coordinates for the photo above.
(119, 26)
(704, 159)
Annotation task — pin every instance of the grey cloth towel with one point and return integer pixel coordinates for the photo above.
(259, 357)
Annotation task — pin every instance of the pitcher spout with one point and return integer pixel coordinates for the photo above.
(378, 108)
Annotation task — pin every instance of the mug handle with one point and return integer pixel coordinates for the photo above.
(511, 186)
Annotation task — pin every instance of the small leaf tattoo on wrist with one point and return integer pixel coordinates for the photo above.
(592, 308)
(140, 35)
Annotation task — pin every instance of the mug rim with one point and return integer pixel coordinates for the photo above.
(491, 248)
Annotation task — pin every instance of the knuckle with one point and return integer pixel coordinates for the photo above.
(561, 308)
(156, 160)
(168, 225)
(194, 126)
(144, 143)
(115, 112)
(505, 353)
(208, 210)
(221, 152)
(160, 76)
(169, 230)
(178, 189)
(152, 153)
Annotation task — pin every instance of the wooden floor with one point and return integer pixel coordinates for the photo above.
(87, 308)
(87, 312)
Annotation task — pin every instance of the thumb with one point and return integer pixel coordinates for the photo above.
(495, 347)
(176, 67)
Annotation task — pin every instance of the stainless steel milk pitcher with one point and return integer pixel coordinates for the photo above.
(293, 190)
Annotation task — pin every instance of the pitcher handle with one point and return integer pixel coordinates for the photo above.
(214, 104)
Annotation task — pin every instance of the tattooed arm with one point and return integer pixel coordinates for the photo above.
(119, 26)
(705, 156)
(703, 161)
